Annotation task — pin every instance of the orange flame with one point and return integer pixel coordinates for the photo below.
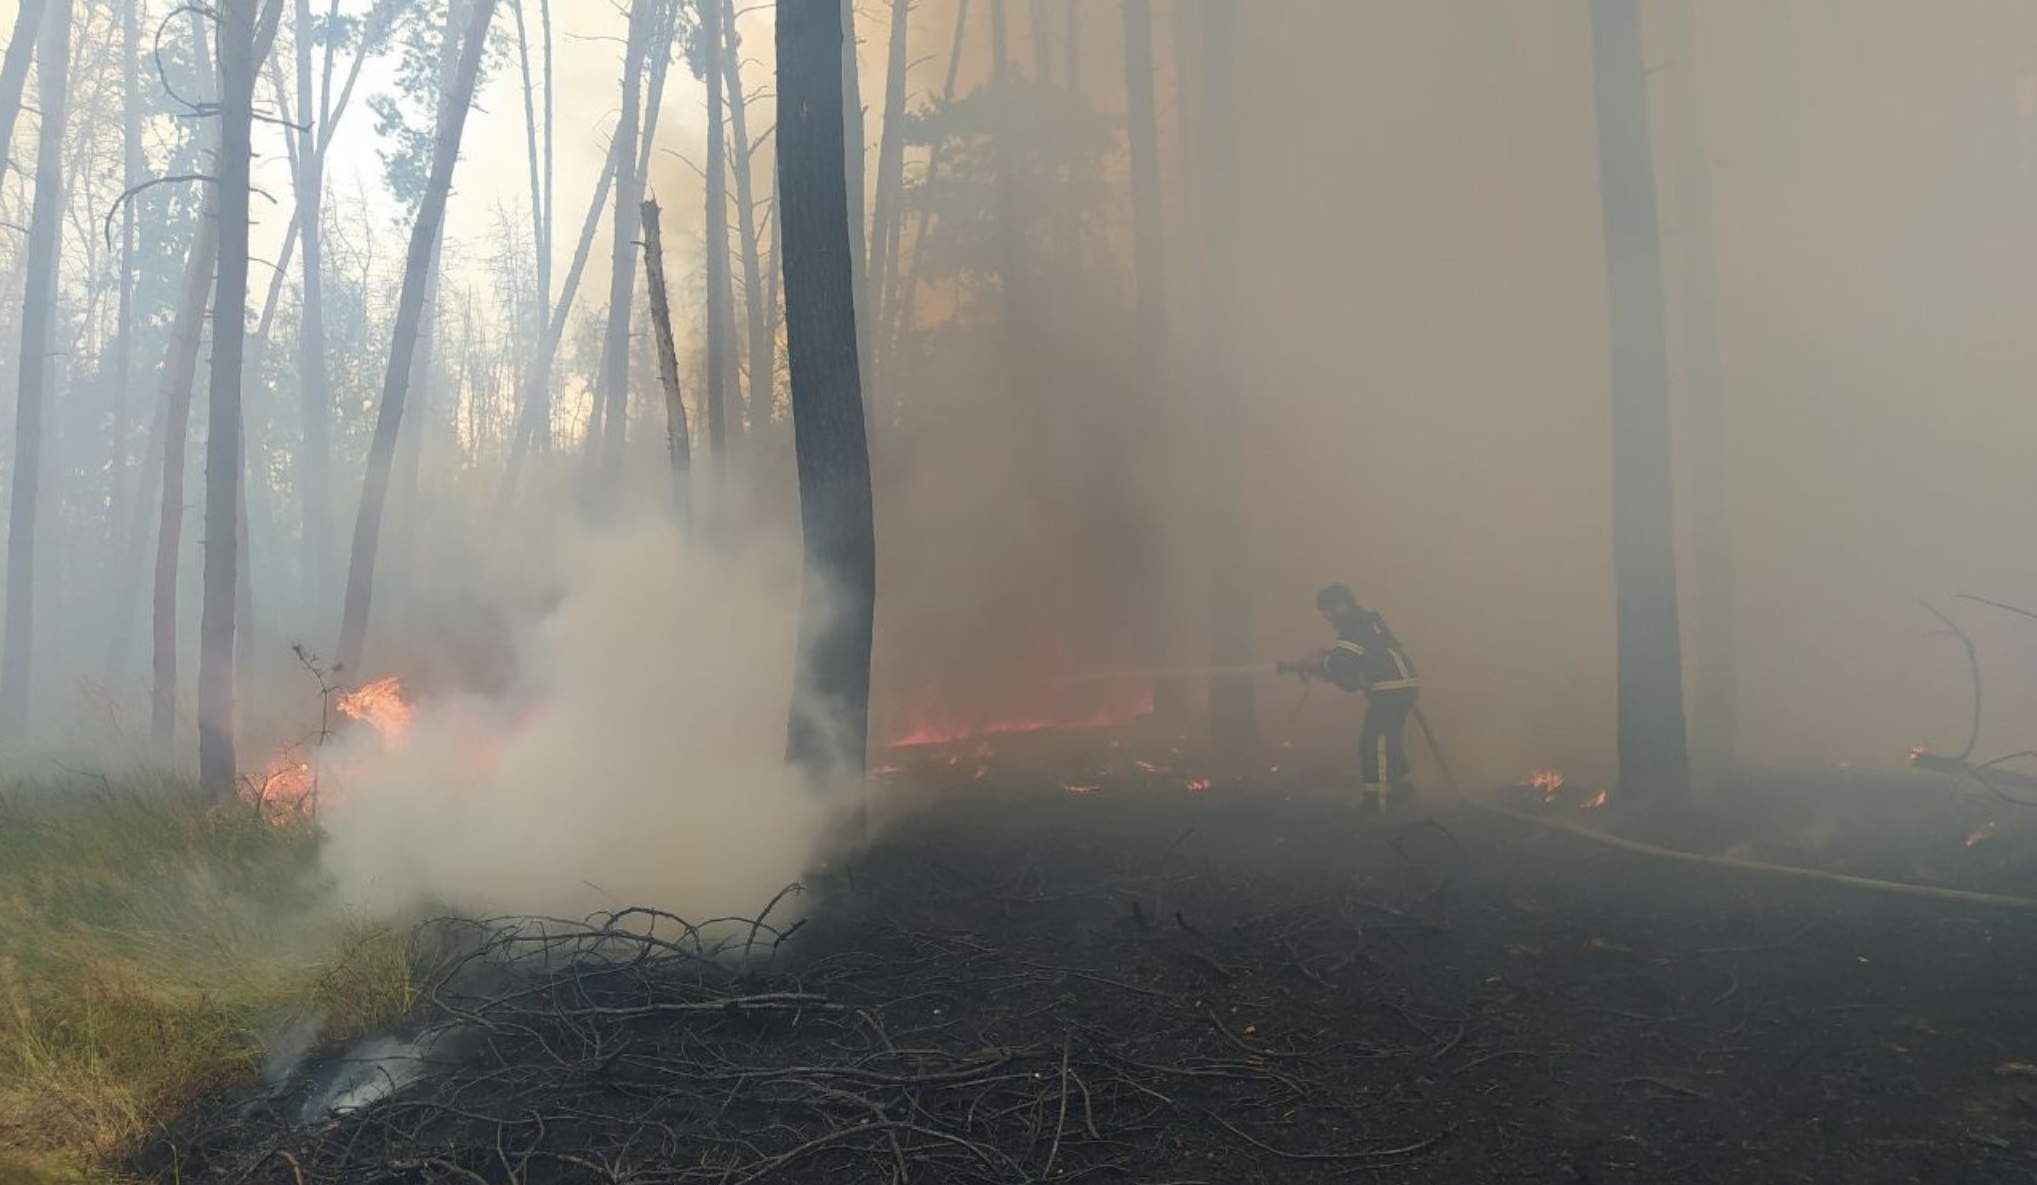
(1073, 789)
(381, 705)
(1198, 785)
(1980, 833)
(1547, 782)
(1597, 800)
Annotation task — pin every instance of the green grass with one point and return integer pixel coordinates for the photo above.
(147, 940)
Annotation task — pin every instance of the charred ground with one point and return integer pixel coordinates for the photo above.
(1144, 982)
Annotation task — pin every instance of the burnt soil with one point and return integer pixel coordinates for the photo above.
(1142, 982)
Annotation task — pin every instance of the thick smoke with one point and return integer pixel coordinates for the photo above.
(636, 759)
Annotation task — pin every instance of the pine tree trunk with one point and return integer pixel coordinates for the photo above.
(314, 458)
(38, 313)
(1233, 713)
(762, 330)
(605, 447)
(1653, 753)
(133, 165)
(224, 510)
(829, 734)
(541, 241)
(1714, 708)
(403, 350)
(905, 300)
(720, 297)
(28, 16)
(1149, 334)
(678, 440)
(853, 149)
(888, 216)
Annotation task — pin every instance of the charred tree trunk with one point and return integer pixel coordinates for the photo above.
(1652, 747)
(1715, 710)
(38, 315)
(28, 16)
(403, 350)
(762, 331)
(224, 514)
(830, 726)
(1233, 714)
(720, 296)
(678, 440)
(1149, 343)
(887, 217)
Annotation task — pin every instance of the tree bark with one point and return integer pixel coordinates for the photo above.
(541, 241)
(1653, 754)
(678, 440)
(223, 456)
(1149, 332)
(38, 315)
(720, 297)
(1714, 731)
(829, 732)
(853, 149)
(1233, 712)
(403, 350)
(132, 166)
(28, 16)
(887, 217)
(762, 329)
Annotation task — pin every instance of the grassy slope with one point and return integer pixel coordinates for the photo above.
(147, 943)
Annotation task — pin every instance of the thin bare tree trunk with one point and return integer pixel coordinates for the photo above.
(14, 72)
(905, 300)
(132, 167)
(1009, 249)
(829, 734)
(853, 148)
(678, 440)
(38, 315)
(541, 240)
(605, 447)
(1043, 47)
(534, 405)
(225, 515)
(1233, 715)
(403, 350)
(314, 462)
(720, 297)
(1653, 747)
(888, 215)
(763, 333)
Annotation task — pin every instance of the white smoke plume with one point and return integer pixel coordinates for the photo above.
(638, 761)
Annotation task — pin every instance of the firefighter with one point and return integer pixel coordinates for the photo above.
(1368, 658)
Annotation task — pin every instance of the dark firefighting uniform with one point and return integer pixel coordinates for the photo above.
(1368, 658)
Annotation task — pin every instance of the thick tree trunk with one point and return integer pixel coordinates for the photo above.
(224, 513)
(1715, 709)
(887, 216)
(853, 149)
(403, 350)
(1653, 751)
(678, 440)
(1233, 713)
(38, 314)
(605, 448)
(761, 327)
(829, 734)
(1149, 344)
(720, 297)
(28, 16)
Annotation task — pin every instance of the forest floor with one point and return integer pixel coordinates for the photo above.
(1075, 967)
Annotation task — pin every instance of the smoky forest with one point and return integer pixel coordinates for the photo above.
(1166, 592)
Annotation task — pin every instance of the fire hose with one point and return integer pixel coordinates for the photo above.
(1308, 674)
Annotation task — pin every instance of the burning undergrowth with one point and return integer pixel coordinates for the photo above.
(638, 757)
